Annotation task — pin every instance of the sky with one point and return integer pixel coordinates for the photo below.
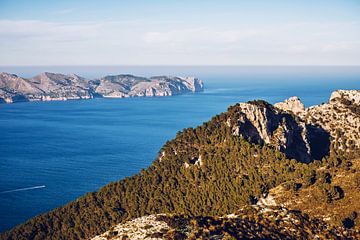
(168, 32)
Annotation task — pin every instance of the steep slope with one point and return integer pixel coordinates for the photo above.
(340, 117)
(57, 86)
(261, 123)
(211, 170)
(14, 88)
(331, 194)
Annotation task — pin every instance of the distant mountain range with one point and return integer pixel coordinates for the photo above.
(55, 86)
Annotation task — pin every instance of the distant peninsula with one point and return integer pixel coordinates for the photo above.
(55, 86)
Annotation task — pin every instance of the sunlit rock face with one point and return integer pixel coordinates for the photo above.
(262, 123)
(292, 104)
(301, 133)
(340, 117)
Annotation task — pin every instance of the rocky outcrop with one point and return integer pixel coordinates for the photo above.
(262, 123)
(147, 227)
(340, 117)
(53, 86)
(302, 134)
(350, 95)
(292, 104)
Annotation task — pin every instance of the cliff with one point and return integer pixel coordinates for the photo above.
(54, 86)
(340, 118)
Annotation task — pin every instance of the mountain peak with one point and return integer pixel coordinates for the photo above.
(348, 95)
(292, 104)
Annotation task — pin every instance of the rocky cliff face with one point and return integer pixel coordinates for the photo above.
(53, 86)
(340, 117)
(260, 122)
(292, 104)
(302, 134)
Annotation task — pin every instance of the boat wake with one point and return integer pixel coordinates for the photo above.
(23, 189)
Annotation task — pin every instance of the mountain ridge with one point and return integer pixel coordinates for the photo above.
(56, 86)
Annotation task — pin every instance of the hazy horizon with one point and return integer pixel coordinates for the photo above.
(204, 72)
(180, 33)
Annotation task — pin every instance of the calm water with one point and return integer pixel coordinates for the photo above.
(53, 152)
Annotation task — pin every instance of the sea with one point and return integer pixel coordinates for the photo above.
(54, 152)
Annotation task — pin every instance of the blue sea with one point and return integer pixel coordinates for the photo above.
(53, 152)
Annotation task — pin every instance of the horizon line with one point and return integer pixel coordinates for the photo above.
(188, 65)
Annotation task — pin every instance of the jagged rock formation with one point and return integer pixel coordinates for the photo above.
(262, 123)
(292, 104)
(340, 117)
(250, 222)
(303, 134)
(54, 86)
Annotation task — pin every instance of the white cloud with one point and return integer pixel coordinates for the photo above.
(30, 29)
(138, 42)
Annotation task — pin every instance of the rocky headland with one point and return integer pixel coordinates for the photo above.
(54, 86)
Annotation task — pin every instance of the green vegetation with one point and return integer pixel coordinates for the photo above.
(232, 173)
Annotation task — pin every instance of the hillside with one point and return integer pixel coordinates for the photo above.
(234, 160)
(249, 222)
(55, 86)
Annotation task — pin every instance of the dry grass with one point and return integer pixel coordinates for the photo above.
(310, 199)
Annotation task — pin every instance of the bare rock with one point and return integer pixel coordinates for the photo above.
(260, 122)
(292, 104)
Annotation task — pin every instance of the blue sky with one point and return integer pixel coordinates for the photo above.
(256, 32)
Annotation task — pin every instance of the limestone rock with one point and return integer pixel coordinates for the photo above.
(260, 122)
(340, 117)
(147, 227)
(292, 104)
(302, 134)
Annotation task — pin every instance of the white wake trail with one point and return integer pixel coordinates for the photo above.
(23, 189)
